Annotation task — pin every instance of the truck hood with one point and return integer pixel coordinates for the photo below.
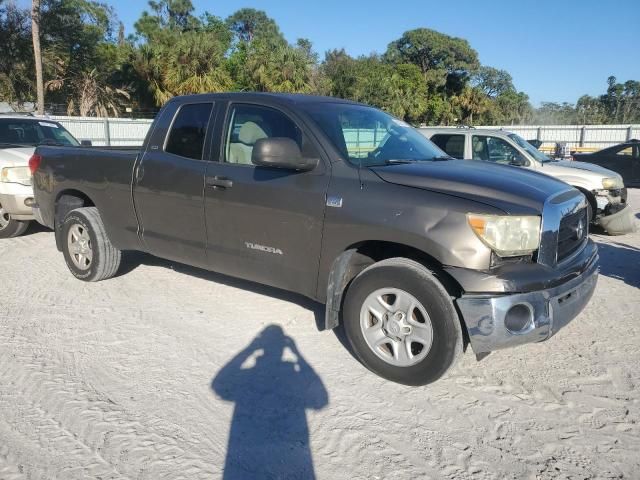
(15, 157)
(572, 165)
(582, 174)
(513, 190)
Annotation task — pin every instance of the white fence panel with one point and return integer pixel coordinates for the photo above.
(107, 131)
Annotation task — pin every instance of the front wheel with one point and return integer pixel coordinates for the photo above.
(401, 322)
(9, 227)
(87, 250)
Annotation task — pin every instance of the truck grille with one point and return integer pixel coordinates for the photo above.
(572, 234)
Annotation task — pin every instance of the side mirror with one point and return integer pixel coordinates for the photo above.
(518, 161)
(86, 143)
(280, 152)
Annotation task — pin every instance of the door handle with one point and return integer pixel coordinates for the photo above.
(139, 172)
(219, 182)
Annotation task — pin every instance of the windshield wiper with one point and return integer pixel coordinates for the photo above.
(442, 158)
(398, 161)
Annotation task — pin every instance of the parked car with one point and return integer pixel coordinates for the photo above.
(604, 189)
(411, 250)
(623, 159)
(19, 136)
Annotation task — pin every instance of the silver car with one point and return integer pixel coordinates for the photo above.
(604, 189)
(19, 136)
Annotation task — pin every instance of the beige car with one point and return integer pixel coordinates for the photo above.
(19, 137)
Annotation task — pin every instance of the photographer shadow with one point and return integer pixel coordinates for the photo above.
(269, 434)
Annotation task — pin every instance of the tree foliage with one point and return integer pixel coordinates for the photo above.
(91, 66)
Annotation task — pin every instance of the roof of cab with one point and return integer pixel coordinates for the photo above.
(463, 130)
(285, 98)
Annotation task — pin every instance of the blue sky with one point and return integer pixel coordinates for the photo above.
(555, 50)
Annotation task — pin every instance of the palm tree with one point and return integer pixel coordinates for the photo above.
(35, 33)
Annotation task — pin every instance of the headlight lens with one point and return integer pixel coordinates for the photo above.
(21, 175)
(507, 236)
(612, 183)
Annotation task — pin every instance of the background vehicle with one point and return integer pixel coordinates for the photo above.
(392, 234)
(623, 159)
(603, 188)
(19, 136)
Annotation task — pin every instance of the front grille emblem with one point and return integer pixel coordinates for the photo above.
(579, 230)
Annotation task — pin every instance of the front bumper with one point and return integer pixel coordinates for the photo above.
(13, 201)
(618, 223)
(550, 310)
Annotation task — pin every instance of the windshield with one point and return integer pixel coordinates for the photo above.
(369, 137)
(17, 132)
(530, 149)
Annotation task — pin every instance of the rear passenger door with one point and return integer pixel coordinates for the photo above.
(264, 224)
(452, 144)
(169, 184)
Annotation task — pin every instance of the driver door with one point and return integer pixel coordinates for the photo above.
(496, 150)
(263, 223)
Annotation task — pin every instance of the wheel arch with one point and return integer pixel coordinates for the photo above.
(355, 258)
(66, 201)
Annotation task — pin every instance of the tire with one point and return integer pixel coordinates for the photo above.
(87, 250)
(428, 352)
(10, 228)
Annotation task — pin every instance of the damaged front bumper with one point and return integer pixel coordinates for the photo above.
(613, 214)
(497, 321)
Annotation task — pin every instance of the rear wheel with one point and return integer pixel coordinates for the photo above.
(9, 227)
(87, 250)
(401, 322)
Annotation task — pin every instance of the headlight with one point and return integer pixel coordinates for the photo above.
(21, 175)
(612, 183)
(507, 236)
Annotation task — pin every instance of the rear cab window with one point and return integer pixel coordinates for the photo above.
(453, 144)
(188, 131)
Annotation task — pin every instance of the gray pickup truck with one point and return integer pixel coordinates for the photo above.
(415, 253)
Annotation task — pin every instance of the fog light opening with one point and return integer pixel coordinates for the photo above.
(519, 318)
(29, 202)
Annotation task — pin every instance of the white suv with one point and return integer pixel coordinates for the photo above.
(19, 137)
(603, 188)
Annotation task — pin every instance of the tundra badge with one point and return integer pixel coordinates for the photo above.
(263, 248)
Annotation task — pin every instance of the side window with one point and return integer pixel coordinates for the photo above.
(250, 123)
(189, 130)
(452, 144)
(493, 149)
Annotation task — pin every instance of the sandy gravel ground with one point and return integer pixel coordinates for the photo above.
(168, 372)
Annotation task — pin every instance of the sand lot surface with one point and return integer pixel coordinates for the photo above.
(168, 372)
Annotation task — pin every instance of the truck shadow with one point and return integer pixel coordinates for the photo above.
(35, 227)
(620, 261)
(269, 433)
(132, 260)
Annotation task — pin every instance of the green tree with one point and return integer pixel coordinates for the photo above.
(248, 24)
(491, 81)
(441, 58)
(16, 57)
(182, 54)
(281, 69)
(472, 101)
